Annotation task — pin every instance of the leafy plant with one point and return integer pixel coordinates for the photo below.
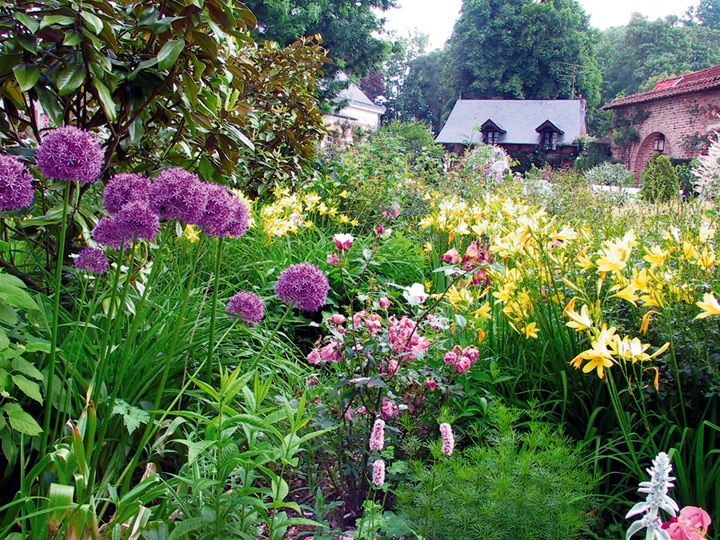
(525, 481)
(660, 182)
(610, 174)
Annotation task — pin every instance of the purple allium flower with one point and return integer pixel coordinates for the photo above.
(107, 233)
(69, 153)
(240, 218)
(248, 307)
(303, 285)
(16, 189)
(125, 188)
(219, 210)
(93, 260)
(137, 222)
(178, 194)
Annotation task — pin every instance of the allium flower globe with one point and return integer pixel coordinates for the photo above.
(123, 189)
(303, 285)
(92, 260)
(69, 153)
(248, 307)
(16, 189)
(215, 219)
(178, 194)
(137, 222)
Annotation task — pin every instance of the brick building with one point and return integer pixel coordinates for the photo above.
(675, 118)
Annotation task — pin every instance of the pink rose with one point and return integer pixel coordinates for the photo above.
(463, 364)
(314, 357)
(691, 524)
(392, 367)
(330, 352)
(332, 258)
(337, 319)
(384, 302)
(451, 357)
(388, 409)
(430, 384)
(472, 353)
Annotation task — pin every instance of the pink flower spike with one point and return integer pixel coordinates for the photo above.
(377, 436)
(378, 473)
(448, 440)
(343, 242)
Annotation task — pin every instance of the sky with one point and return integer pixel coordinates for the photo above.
(437, 17)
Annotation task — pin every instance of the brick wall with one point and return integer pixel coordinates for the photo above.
(680, 119)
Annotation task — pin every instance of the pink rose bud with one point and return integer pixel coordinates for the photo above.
(332, 258)
(451, 357)
(380, 230)
(463, 364)
(451, 256)
(430, 384)
(343, 241)
(384, 302)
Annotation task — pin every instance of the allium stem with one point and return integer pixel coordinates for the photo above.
(213, 309)
(272, 335)
(55, 319)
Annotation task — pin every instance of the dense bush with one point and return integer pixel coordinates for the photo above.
(660, 182)
(610, 174)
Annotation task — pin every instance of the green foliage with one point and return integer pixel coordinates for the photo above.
(523, 481)
(522, 50)
(628, 56)
(610, 174)
(21, 327)
(285, 123)
(154, 77)
(660, 182)
(593, 152)
(347, 28)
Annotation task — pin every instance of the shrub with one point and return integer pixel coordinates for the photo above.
(660, 182)
(610, 174)
(522, 484)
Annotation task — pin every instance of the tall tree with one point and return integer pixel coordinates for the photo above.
(348, 28)
(523, 49)
(424, 95)
(707, 12)
(632, 56)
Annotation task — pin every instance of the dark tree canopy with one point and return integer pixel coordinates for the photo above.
(523, 49)
(347, 28)
(633, 56)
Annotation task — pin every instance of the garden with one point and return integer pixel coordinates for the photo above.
(205, 337)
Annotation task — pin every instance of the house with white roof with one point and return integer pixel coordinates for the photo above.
(357, 111)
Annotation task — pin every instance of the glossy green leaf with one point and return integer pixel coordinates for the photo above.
(106, 99)
(56, 20)
(28, 22)
(27, 76)
(69, 79)
(93, 21)
(169, 53)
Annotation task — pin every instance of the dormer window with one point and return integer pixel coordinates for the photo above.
(491, 132)
(549, 140)
(549, 135)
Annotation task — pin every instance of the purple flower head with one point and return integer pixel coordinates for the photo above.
(138, 222)
(303, 285)
(125, 188)
(178, 194)
(93, 260)
(16, 189)
(239, 219)
(134, 222)
(69, 153)
(248, 307)
(219, 210)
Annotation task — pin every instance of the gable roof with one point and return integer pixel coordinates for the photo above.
(356, 97)
(704, 79)
(520, 118)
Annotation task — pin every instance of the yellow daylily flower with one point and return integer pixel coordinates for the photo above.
(579, 321)
(459, 296)
(710, 305)
(483, 312)
(644, 325)
(626, 293)
(655, 256)
(531, 330)
(191, 233)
